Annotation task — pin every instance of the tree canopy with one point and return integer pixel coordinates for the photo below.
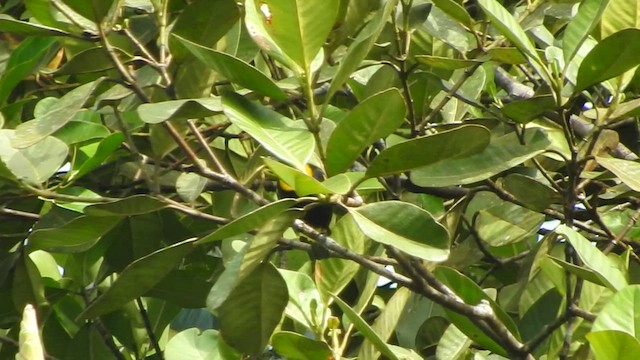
(319, 179)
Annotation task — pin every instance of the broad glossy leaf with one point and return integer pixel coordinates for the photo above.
(581, 26)
(93, 9)
(235, 70)
(365, 329)
(154, 113)
(455, 10)
(302, 183)
(190, 185)
(184, 288)
(619, 14)
(593, 258)
(299, 27)
(33, 164)
(55, 118)
(385, 324)
(374, 118)
(23, 61)
(503, 153)
(138, 278)
(472, 294)
(626, 170)
(249, 221)
(95, 154)
(305, 305)
(92, 60)
(621, 313)
(249, 258)
(78, 235)
(253, 310)
(446, 63)
(360, 47)
(613, 345)
(404, 226)
(333, 274)
(13, 26)
(523, 111)
(435, 150)
(296, 346)
(197, 25)
(609, 58)
(509, 27)
(453, 344)
(455, 110)
(132, 205)
(625, 110)
(530, 192)
(194, 344)
(291, 142)
(507, 223)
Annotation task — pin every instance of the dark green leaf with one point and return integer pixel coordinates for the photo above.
(609, 58)
(374, 118)
(405, 226)
(435, 150)
(253, 309)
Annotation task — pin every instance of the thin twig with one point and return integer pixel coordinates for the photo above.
(147, 325)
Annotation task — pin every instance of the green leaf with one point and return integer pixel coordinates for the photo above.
(360, 47)
(509, 27)
(365, 329)
(385, 324)
(55, 118)
(620, 314)
(94, 10)
(440, 62)
(253, 310)
(302, 183)
(453, 344)
(96, 154)
(609, 58)
(619, 14)
(92, 60)
(404, 226)
(374, 118)
(333, 274)
(23, 61)
(249, 221)
(138, 278)
(235, 70)
(531, 193)
(184, 288)
(626, 170)
(507, 223)
(287, 140)
(523, 111)
(305, 305)
(299, 347)
(613, 345)
(33, 164)
(132, 205)
(593, 258)
(196, 25)
(78, 235)
(472, 294)
(503, 153)
(299, 27)
(435, 150)
(581, 26)
(192, 344)
(13, 26)
(456, 11)
(190, 185)
(249, 258)
(154, 113)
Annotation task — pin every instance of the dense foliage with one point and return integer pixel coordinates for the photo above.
(319, 179)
